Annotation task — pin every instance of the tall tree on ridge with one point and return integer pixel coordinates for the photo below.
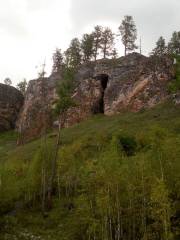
(174, 44)
(128, 34)
(114, 53)
(87, 47)
(8, 81)
(22, 86)
(97, 36)
(42, 72)
(107, 42)
(57, 61)
(73, 54)
(160, 48)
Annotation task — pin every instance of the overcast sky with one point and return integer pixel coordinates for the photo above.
(31, 29)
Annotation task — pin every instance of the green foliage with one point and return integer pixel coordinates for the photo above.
(174, 44)
(128, 145)
(22, 86)
(161, 48)
(64, 91)
(58, 63)
(174, 86)
(97, 36)
(87, 47)
(116, 177)
(107, 42)
(8, 81)
(73, 54)
(128, 33)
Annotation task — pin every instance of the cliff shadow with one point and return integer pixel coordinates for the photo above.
(99, 107)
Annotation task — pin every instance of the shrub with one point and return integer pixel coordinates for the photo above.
(128, 144)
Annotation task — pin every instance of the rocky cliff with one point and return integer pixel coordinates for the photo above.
(107, 86)
(36, 115)
(131, 83)
(11, 101)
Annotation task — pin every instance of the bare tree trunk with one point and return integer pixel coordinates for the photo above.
(59, 190)
(54, 164)
(144, 205)
(161, 166)
(43, 189)
(105, 47)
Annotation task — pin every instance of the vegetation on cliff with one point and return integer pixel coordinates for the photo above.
(117, 178)
(174, 86)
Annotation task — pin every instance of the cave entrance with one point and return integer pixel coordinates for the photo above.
(103, 78)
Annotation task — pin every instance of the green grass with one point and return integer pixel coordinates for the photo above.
(94, 154)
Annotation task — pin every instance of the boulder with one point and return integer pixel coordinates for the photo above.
(11, 101)
(36, 115)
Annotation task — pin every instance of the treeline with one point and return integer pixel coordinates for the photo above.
(172, 47)
(99, 43)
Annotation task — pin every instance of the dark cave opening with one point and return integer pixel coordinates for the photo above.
(99, 108)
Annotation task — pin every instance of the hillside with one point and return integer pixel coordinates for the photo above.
(117, 178)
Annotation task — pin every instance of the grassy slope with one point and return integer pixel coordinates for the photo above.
(89, 141)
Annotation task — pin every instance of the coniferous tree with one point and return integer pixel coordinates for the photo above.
(174, 44)
(57, 61)
(73, 54)
(65, 101)
(107, 42)
(128, 34)
(87, 47)
(8, 81)
(114, 53)
(42, 72)
(160, 48)
(22, 86)
(97, 37)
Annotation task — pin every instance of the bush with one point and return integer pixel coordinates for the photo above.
(128, 144)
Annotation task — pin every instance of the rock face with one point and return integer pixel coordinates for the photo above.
(36, 114)
(129, 83)
(11, 101)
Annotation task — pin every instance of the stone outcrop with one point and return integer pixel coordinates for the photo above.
(107, 86)
(36, 115)
(129, 83)
(11, 101)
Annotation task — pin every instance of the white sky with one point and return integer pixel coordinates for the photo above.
(30, 30)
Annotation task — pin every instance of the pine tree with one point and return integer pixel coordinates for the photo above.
(174, 44)
(42, 72)
(87, 47)
(114, 53)
(22, 86)
(107, 42)
(57, 61)
(8, 81)
(97, 37)
(73, 54)
(160, 48)
(128, 34)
